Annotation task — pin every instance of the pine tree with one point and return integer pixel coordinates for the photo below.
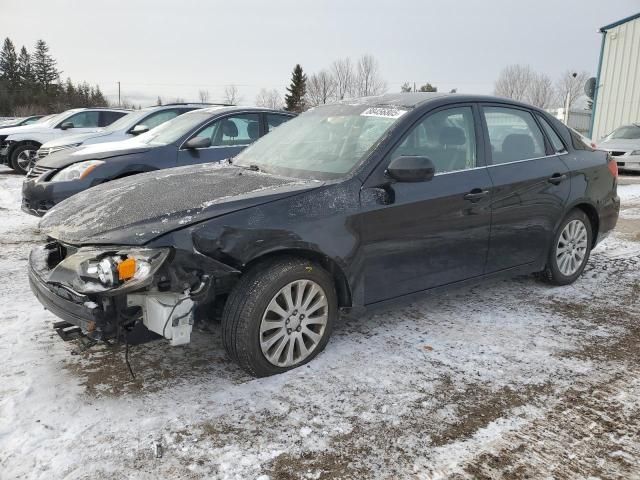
(427, 87)
(9, 65)
(97, 98)
(294, 100)
(44, 66)
(25, 71)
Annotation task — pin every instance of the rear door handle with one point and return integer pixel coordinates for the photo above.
(557, 178)
(476, 194)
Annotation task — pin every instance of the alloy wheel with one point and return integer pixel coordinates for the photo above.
(25, 159)
(571, 249)
(294, 323)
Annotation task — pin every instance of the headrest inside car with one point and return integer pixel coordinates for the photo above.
(229, 129)
(519, 144)
(452, 136)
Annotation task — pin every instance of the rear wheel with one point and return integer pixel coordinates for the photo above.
(23, 157)
(279, 316)
(570, 250)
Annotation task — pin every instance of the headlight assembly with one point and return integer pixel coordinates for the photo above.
(91, 270)
(77, 171)
(635, 152)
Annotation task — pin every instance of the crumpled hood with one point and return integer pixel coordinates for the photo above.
(620, 144)
(137, 209)
(97, 151)
(78, 138)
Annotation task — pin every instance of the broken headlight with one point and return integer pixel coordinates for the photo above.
(91, 270)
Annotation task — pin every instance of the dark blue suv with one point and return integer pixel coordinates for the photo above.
(200, 136)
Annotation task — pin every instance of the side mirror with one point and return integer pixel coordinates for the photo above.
(66, 125)
(197, 142)
(411, 169)
(138, 129)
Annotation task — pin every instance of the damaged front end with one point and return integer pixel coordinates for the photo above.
(108, 292)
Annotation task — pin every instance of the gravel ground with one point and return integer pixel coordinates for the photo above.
(508, 380)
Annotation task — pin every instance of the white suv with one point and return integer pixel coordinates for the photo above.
(18, 145)
(129, 126)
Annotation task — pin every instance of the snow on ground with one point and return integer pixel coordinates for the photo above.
(512, 379)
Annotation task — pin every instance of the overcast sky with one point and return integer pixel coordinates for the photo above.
(175, 48)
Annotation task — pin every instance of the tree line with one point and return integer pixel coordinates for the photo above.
(522, 83)
(30, 83)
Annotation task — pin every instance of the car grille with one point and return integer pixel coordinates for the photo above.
(37, 170)
(43, 152)
(617, 153)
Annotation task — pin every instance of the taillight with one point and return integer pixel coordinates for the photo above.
(613, 166)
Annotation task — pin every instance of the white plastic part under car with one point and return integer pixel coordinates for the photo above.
(168, 314)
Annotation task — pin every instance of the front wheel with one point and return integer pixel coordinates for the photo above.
(279, 316)
(570, 250)
(22, 157)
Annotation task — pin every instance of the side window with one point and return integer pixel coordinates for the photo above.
(236, 130)
(446, 137)
(274, 120)
(514, 135)
(84, 119)
(107, 118)
(556, 141)
(158, 118)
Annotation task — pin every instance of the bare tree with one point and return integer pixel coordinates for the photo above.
(368, 80)
(514, 82)
(321, 88)
(570, 86)
(540, 92)
(406, 87)
(178, 100)
(344, 77)
(269, 99)
(204, 95)
(231, 95)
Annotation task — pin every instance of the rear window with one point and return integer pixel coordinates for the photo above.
(556, 141)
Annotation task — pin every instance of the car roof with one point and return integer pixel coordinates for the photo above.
(234, 108)
(417, 99)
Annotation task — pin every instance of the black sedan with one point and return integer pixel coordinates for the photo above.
(347, 207)
(206, 135)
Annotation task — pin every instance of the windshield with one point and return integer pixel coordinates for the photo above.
(628, 132)
(126, 120)
(172, 130)
(322, 144)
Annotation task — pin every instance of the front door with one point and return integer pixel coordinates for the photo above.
(229, 136)
(417, 236)
(530, 188)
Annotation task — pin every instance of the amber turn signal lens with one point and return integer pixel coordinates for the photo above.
(127, 269)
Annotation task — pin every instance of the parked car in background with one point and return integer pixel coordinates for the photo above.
(18, 122)
(18, 145)
(200, 136)
(346, 207)
(128, 126)
(624, 145)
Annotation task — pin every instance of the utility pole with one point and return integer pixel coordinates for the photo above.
(567, 101)
(119, 94)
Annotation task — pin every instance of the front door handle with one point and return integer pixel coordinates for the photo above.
(476, 194)
(557, 178)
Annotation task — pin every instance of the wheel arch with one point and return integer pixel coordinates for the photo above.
(343, 289)
(592, 214)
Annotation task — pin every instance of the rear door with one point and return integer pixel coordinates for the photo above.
(229, 136)
(530, 187)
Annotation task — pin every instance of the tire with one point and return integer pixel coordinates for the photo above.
(19, 157)
(249, 307)
(561, 269)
